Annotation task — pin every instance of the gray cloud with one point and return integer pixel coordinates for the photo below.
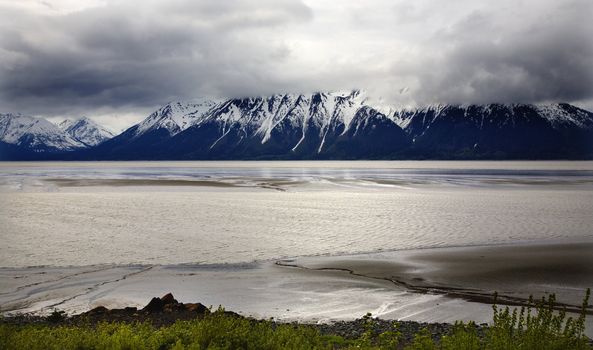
(121, 58)
(118, 55)
(549, 59)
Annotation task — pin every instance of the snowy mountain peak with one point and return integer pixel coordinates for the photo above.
(176, 116)
(562, 113)
(86, 131)
(35, 133)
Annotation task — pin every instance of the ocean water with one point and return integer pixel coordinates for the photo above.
(80, 214)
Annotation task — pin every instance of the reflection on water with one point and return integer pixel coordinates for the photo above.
(228, 212)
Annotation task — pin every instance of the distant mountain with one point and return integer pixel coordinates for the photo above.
(86, 131)
(497, 131)
(37, 135)
(280, 126)
(349, 125)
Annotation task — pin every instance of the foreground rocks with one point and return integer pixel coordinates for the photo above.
(159, 311)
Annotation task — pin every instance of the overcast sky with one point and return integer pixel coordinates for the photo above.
(116, 61)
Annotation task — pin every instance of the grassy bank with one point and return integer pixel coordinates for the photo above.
(536, 327)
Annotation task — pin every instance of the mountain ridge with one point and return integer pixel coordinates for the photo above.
(349, 125)
(344, 125)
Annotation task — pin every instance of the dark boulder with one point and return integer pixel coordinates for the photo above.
(169, 299)
(197, 308)
(155, 305)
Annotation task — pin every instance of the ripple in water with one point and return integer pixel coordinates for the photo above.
(297, 211)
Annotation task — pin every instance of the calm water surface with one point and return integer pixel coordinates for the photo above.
(79, 214)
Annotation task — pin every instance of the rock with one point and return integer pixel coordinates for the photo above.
(197, 308)
(166, 303)
(172, 307)
(169, 299)
(163, 310)
(155, 305)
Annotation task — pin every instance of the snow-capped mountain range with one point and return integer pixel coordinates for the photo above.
(347, 125)
(86, 131)
(41, 136)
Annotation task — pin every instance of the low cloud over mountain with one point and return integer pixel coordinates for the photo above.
(112, 58)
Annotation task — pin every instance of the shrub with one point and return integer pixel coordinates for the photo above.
(536, 326)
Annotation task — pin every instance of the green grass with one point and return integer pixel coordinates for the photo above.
(535, 327)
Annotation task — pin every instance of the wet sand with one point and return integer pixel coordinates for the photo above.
(156, 184)
(136, 182)
(514, 272)
(283, 184)
(427, 285)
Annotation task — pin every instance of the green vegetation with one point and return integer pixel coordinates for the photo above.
(535, 327)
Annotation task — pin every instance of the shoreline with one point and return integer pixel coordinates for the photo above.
(166, 311)
(425, 285)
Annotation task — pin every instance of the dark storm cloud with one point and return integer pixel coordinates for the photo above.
(550, 59)
(119, 54)
(107, 57)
